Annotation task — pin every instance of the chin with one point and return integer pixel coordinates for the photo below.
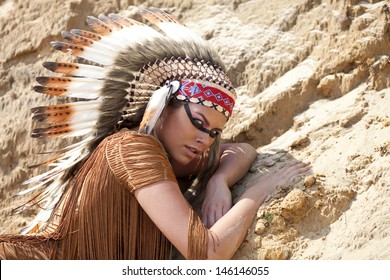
(183, 159)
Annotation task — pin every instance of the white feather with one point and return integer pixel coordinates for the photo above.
(81, 128)
(179, 32)
(97, 56)
(83, 116)
(85, 105)
(46, 210)
(128, 36)
(106, 48)
(43, 183)
(90, 71)
(85, 88)
(156, 105)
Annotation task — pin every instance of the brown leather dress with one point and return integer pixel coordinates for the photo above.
(98, 216)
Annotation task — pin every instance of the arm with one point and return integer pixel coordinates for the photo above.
(236, 159)
(168, 209)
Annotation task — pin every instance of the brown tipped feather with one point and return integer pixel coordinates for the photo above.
(127, 22)
(47, 162)
(148, 115)
(54, 117)
(56, 91)
(110, 23)
(75, 69)
(156, 16)
(60, 67)
(64, 113)
(86, 34)
(98, 26)
(46, 109)
(53, 81)
(76, 39)
(151, 17)
(51, 131)
(66, 47)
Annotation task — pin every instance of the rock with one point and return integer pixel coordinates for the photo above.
(294, 205)
(274, 254)
(260, 227)
(309, 181)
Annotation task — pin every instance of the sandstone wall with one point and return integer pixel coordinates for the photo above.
(313, 83)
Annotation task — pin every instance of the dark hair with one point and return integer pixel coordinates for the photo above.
(196, 195)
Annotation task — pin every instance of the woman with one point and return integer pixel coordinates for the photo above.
(120, 193)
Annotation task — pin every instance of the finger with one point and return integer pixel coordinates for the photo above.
(211, 219)
(296, 165)
(208, 216)
(218, 214)
(302, 169)
(288, 173)
(206, 221)
(304, 172)
(299, 171)
(204, 216)
(295, 168)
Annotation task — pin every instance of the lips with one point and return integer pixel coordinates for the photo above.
(194, 150)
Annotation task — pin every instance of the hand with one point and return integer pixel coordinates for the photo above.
(217, 202)
(286, 175)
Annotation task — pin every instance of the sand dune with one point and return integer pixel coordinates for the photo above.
(313, 84)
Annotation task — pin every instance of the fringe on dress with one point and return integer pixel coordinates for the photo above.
(98, 216)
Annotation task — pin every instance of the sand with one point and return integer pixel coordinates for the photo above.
(313, 84)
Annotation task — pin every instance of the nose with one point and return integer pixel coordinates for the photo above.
(204, 139)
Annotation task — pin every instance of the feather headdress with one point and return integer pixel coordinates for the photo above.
(129, 73)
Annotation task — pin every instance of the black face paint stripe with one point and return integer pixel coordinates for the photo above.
(201, 128)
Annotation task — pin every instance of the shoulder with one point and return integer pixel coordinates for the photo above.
(128, 137)
(134, 146)
(137, 158)
(131, 143)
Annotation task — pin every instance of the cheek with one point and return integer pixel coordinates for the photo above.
(176, 127)
(179, 127)
(173, 133)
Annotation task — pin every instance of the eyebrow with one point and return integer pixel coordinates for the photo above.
(204, 118)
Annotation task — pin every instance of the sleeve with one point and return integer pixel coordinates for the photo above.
(137, 160)
(197, 238)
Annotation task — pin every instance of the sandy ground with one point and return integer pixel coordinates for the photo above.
(313, 84)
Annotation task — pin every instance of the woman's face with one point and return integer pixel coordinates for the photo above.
(185, 132)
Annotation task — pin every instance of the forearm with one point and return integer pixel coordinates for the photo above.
(232, 227)
(236, 159)
(229, 231)
(165, 205)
